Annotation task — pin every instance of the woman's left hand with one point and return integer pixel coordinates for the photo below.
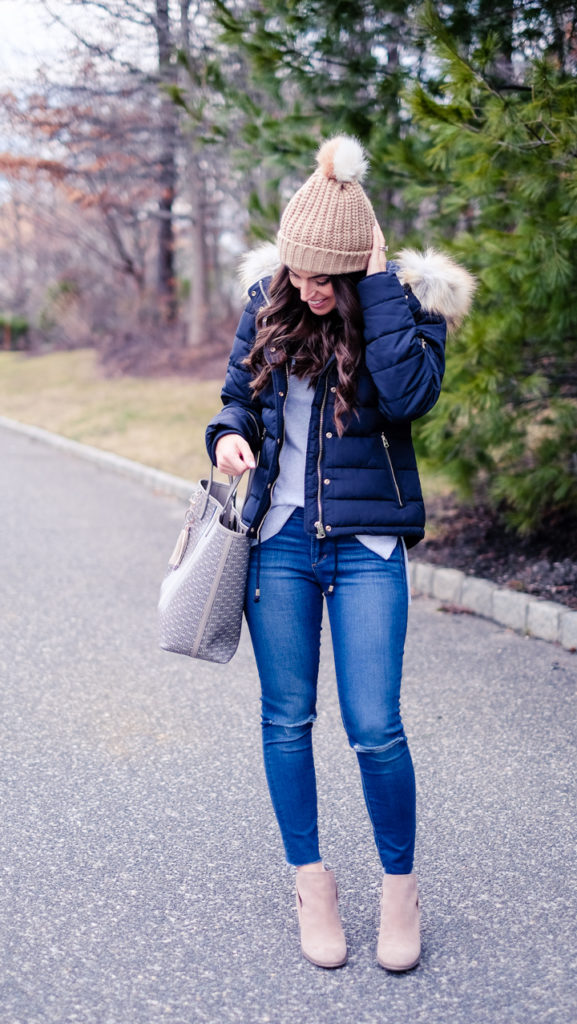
(378, 258)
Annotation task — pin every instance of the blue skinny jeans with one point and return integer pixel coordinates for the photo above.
(368, 620)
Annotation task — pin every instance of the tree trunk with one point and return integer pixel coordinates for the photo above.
(198, 318)
(165, 277)
(21, 290)
(198, 327)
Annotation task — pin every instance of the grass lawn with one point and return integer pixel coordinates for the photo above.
(159, 422)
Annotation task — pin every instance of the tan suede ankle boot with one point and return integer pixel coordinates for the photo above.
(322, 938)
(399, 947)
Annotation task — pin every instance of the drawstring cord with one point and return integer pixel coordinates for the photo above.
(333, 582)
(256, 595)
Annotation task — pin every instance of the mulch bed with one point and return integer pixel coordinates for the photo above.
(473, 539)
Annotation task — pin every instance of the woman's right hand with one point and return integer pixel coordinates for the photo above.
(234, 455)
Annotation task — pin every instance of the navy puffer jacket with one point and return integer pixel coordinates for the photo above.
(367, 480)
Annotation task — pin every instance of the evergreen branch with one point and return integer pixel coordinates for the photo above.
(433, 23)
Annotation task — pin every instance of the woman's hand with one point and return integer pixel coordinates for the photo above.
(378, 258)
(234, 455)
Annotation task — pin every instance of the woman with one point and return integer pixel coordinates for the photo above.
(332, 360)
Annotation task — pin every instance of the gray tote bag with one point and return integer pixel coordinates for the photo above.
(202, 595)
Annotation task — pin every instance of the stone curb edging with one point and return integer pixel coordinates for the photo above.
(546, 620)
(153, 478)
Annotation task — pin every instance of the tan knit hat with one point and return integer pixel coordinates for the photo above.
(327, 227)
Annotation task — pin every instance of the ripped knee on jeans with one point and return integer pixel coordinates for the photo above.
(282, 723)
(380, 748)
(282, 733)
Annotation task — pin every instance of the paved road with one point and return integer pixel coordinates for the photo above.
(141, 876)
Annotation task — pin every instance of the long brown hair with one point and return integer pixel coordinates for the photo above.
(294, 333)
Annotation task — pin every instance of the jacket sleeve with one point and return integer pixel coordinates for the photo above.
(240, 413)
(405, 347)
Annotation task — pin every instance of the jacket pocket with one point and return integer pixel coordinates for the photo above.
(387, 448)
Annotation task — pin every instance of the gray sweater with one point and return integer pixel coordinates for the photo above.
(289, 489)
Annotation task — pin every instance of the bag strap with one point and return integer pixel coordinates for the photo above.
(233, 481)
(251, 473)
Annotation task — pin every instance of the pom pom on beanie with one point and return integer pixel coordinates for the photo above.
(342, 158)
(327, 227)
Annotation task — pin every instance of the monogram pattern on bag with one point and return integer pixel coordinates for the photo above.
(198, 615)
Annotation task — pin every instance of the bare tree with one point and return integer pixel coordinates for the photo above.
(118, 136)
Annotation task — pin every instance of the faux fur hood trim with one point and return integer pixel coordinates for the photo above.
(440, 284)
(262, 261)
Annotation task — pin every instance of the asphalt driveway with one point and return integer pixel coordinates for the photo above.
(141, 876)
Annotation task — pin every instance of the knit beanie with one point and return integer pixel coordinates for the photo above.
(327, 227)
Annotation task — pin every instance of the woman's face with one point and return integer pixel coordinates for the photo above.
(316, 290)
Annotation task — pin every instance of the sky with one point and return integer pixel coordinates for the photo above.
(27, 38)
(30, 37)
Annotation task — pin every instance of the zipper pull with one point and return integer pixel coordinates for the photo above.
(320, 530)
(384, 440)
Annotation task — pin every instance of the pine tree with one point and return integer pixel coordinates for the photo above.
(315, 68)
(478, 153)
(504, 183)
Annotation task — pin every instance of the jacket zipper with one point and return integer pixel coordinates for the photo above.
(321, 532)
(264, 294)
(267, 303)
(387, 446)
(270, 493)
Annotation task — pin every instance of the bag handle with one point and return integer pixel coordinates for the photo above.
(233, 481)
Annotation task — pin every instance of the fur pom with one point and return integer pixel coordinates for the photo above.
(258, 263)
(342, 158)
(441, 285)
